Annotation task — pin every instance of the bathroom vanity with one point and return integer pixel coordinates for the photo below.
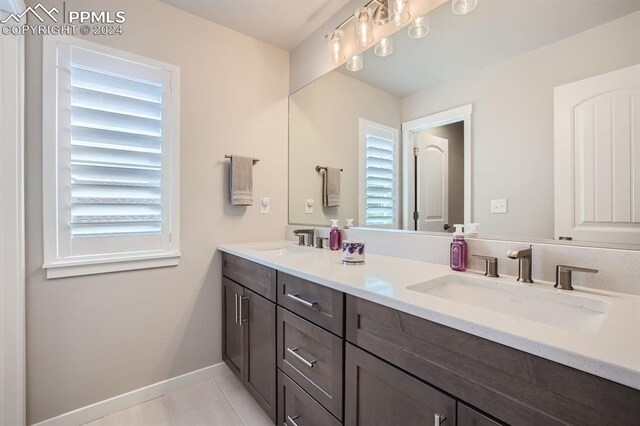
(401, 342)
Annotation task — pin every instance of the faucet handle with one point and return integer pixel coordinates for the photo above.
(300, 238)
(563, 275)
(300, 233)
(320, 242)
(490, 265)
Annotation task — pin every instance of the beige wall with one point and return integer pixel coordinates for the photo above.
(324, 130)
(94, 337)
(512, 121)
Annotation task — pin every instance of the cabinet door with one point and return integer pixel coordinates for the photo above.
(377, 393)
(232, 329)
(259, 318)
(468, 416)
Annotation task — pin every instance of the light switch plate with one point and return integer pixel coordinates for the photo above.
(308, 206)
(265, 204)
(499, 206)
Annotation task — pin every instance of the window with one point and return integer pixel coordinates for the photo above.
(378, 175)
(111, 152)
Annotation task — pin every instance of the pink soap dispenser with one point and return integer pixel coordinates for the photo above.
(335, 237)
(458, 253)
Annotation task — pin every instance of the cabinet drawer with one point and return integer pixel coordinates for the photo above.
(378, 394)
(513, 386)
(313, 358)
(320, 305)
(467, 416)
(253, 276)
(297, 408)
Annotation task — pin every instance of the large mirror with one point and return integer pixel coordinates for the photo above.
(521, 116)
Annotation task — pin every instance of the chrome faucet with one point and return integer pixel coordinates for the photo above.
(301, 233)
(524, 263)
(563, 275)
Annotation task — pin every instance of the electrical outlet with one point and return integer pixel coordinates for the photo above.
(308, 206)
(499, 206)
(265, 204)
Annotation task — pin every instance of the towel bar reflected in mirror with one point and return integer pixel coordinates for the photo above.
(255, 160)
(319, 168)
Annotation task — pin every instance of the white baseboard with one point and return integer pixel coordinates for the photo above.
(121, 402)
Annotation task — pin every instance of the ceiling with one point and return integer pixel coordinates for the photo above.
(283, 23)
(495, 31)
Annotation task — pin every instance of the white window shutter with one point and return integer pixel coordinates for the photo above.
(379, 175)
(380, 180)
(111, 159)
(116, 154)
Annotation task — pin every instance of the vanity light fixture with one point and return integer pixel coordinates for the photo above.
(384, 47)
(381, 15)
(355, 63)
(336, 52)
(364, 27)
(400, 12)
(419, 27)
(462, 7)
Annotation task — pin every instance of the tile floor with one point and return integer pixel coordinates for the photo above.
(222, 401)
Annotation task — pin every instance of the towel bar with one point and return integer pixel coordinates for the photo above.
(319, 168)
(255, 160)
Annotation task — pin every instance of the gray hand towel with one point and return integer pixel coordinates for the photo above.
(331, 187)
(241, 181)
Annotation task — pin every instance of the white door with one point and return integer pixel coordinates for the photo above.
(433, 182)
(597, 158)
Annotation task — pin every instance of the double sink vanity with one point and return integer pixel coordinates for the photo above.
(402, 342)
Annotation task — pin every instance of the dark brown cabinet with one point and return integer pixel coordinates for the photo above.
(376, 393)
(232, 330)
(313, 358)
(515, 387)
(394, 368)
(467, 416)
(297, 408)
(259, 317)
(319, 304)
(249, 342)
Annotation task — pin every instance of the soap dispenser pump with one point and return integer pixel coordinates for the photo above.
(335, 237)
(458, 250)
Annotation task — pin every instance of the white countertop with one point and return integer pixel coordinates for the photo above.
(611, 351)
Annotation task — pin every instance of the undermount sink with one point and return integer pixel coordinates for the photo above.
(282, 249)
(566, 310)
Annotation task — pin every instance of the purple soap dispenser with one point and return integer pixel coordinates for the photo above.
(335, 236)
(458, 253)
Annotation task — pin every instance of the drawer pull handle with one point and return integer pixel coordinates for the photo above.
(439, 419)
(294, 352)
(291, 421)
(297, 298)
(241, 317)
(236, 300)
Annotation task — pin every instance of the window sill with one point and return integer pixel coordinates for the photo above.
(75, 268)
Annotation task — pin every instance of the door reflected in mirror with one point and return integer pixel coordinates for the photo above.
(533, 135)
